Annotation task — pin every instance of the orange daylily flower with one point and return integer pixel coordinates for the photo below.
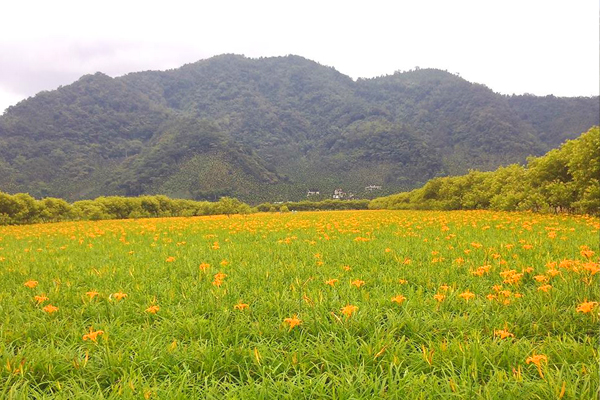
(439, 297)
(331, 282)
(349, 310)
(204, 266)
(170, 259)
(241, 306)
(503, 333)
(31, 284)
(537, 359)
(467, 295)
(358, 283)
(592, 267)
(50, 309)
(152, 309)
(398, 299)
(91, 294)
(119, 295)
(402, 281)
(93, 336)
(545, 288)
(40, 299)
(587, 253)
(587, 306)
(219, 277)
(292, 322)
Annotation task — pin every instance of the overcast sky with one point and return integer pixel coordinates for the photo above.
(512, 46)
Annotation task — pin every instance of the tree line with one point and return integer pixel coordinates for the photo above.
(563, 180)
(21, 208)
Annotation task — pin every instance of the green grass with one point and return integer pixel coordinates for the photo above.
(198, 346)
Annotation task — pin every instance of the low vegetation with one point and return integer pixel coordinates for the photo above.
(345, 304)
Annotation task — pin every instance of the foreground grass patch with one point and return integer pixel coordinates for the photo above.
(361, 304)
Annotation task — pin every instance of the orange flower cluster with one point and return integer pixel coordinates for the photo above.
(587, 306)
(219, 278)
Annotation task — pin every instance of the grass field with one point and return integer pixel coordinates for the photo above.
(367, 304)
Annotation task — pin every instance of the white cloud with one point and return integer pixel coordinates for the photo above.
(512, 46)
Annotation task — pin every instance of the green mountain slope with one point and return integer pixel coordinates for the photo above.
(269, 129)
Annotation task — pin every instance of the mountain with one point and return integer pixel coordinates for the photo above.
(268, 129)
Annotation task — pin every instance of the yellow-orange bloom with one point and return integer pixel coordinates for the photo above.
(331, 282)
(204, 266)
(31, 284)
(241, 306)
(152, 309)
(398, 299)
(220, 276)
(349, 310)
(587, 306)
(358, 283)
(292, 322)
(91, 294)
(402, 281)
(587, 253)
(537, 359)
(50, 309)
(545, 288)
(40, 299)
(119, 295)
(503, 333)
(467, 295)
(439, 297)
(93, 336)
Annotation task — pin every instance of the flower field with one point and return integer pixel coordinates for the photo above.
(357, 304)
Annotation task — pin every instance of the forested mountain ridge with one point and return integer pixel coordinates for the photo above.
(269, 129)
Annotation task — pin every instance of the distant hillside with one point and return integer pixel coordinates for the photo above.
(269, 129)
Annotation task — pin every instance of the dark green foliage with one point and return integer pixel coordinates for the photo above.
(267, 129)
(565, 179)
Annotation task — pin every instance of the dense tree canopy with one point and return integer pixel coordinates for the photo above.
(268, 129)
